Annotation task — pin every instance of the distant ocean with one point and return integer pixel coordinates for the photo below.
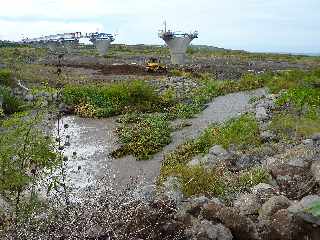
(307, 54)
(312, 54)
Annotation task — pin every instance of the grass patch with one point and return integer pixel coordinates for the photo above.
(218, 182)
(299, 115)
(242, 132)
(300, 98)
(114, 99)
(292, 127)
(5, 77)
(143, 136)
(293, 79)
(11, 104)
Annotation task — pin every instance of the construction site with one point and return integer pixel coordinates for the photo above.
(104, 61)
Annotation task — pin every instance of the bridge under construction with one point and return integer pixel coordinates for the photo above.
(68, 41)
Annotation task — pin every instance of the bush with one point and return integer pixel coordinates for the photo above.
(300, 97)
(197, 180)
(144, 137)
(113, 99)
(252, 177)
(5, 77)
(242, 132)
(24, 153)
(11, 104)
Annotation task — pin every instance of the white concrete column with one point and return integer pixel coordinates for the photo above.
(178, 48)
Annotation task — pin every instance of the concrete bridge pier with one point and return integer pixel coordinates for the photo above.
(178, 48)
(178, 44)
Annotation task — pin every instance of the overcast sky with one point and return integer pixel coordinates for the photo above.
(254, 25)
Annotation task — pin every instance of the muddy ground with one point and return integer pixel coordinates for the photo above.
(118, 68)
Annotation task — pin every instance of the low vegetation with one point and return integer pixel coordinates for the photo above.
(298, 113)
(11, 104)
(5, 77)
(241, 132)
(292, 127)
(144, 135)
(110, 100)
(25, 155)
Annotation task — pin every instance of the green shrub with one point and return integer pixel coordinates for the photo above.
(293, 79)
(216, 182)
(301, 97)
(292, 127)
(252, 177)
(114, 99)
(5, 77)
(144, 137)
(314, 209)
(23, 147)
(243, 132)
(11, 104)
(197, 180)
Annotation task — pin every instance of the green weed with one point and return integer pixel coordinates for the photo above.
(114, 99)
(145, 136)
(11, 104)
(5, 77)
(292, 127)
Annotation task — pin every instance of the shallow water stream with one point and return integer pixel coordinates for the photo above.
(94, 139)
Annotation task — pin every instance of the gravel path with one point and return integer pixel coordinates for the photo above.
(95, 139)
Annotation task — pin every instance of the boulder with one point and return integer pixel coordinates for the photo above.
(267, 136)
(191, 208)
(216, 155)
(316, 138)
(63, 108)
(29, 98)
(273, 205)
(281, 225)
(245, 161)
(218, 150)
(264, 191)
(291, 169)
(172, 190)
(146, 193)
(266, 103)
(315, 170)
(261, 114)
(302, 209)
(308, 142)
(206, 230)
(241, 227)
(248, 204)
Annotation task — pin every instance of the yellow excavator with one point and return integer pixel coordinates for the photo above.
(155, 66)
